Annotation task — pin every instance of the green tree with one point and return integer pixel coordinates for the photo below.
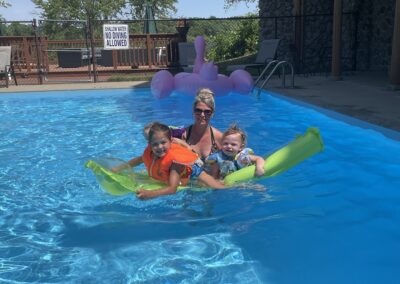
(229, 3)
(161, 8)
(4, 4)
(227, 39)
(79, 9)
(18, 29)
(101, 9)
(13, 29)
(92, 11)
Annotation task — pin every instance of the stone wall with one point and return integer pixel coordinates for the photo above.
(367, 30)
(382, 23)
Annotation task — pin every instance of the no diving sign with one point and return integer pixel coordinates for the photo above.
(116, 36)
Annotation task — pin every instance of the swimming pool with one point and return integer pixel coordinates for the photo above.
(332, 219)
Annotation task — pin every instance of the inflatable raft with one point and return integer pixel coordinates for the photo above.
(301, 148)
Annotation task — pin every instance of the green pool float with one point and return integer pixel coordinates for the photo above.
(301, 148)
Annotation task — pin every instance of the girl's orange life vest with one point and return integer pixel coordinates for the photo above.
(159, 168)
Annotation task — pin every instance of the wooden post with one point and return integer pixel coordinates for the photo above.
(149, 45)
(39, 58)
(394, 73)
(115, 59)
(337, 40)
(27, 55)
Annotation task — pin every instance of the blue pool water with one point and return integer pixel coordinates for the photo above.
(332, 219)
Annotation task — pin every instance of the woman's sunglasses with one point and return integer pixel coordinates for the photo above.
(205, 111)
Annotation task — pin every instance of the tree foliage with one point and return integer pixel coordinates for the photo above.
(161, 8)
(227, 39)
(93, 10)
(79, 9)
(4, 4)
(229, 3)
(101, 9)
(16, 29)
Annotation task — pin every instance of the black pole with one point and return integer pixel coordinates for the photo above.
(94, 61)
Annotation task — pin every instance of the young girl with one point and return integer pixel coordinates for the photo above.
(170, 163)
(233, 155)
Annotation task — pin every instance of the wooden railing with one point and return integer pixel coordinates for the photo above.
(24, 55)
(146, 51)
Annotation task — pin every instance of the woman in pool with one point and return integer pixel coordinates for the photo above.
(170, 163)
(201, 136)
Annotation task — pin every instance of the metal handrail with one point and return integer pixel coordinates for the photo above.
(265, 70)
(282, 65)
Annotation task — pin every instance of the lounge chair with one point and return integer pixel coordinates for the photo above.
(187, 55)
(6, 68)
(266, 53)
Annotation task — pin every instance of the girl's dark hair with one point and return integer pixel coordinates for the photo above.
(159, 127)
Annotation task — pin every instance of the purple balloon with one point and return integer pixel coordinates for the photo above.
(162, 84)
(242, 81)
(190, 83)
(205, 75)
(199, 46)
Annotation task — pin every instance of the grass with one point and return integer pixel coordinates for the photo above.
(130, 77)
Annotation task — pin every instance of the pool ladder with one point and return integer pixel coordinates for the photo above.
(273, 66)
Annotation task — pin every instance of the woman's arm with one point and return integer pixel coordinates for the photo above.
(173, 183)
(184, 134)
(214, 169)
(209, 181)
(259, 161)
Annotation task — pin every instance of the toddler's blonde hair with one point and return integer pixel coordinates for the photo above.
(234, 129)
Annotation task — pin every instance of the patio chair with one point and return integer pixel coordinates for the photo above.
(6, 68)
(187, 55)
(266, 53)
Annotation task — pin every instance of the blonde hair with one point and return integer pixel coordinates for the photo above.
(234, 129)
(205, 96)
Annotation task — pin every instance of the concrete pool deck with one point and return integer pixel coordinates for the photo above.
(365, 96)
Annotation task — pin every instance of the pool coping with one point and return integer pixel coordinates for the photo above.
(73, 87)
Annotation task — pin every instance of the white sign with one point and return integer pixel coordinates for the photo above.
(116, 36)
